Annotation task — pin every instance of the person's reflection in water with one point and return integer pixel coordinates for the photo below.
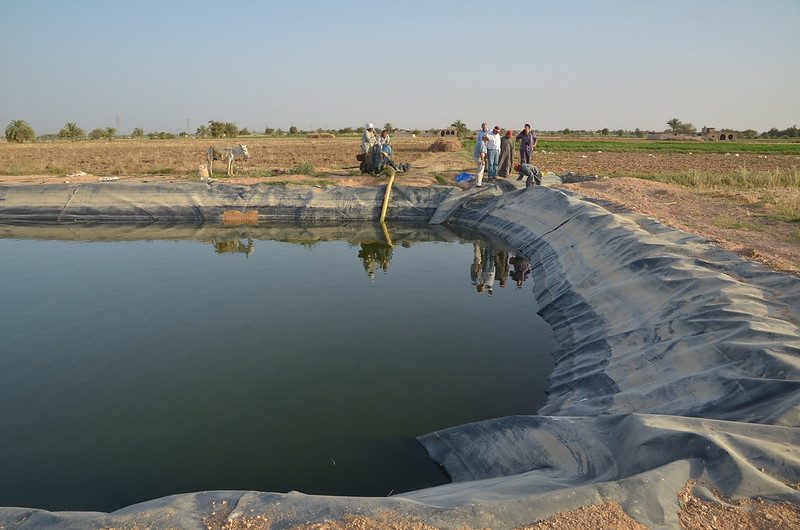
(486, 280)
(477, 262)
(375, 255)
(521, 270)
(501, 265)
(235, 246)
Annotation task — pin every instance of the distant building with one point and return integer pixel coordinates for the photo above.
(707, 133)
(711, 133)
(671, 135)
(448, 132)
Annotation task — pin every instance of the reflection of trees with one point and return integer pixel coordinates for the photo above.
(375, 255)
(235, 246)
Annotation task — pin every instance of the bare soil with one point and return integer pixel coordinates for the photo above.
(605, 515)
(738, 514)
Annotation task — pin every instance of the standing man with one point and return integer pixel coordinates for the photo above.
(367, 141)
(480, 158)
(527, 144)
(494, 151)
(506, 154)
(482, 132)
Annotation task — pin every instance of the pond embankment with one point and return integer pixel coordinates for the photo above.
(678, 363)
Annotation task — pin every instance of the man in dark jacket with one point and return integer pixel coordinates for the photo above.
(527, 144)
(531, 172)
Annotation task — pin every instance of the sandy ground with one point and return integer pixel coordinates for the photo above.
(739, 222)
(695, 513)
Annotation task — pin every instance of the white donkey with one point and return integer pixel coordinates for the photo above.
(228, 154)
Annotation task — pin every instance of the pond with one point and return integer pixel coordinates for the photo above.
(137, 362)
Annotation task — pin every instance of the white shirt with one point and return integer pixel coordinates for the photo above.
(494, 141)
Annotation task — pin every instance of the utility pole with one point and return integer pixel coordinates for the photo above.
(116, 120)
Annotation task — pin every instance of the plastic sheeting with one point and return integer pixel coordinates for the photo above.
(676, 361)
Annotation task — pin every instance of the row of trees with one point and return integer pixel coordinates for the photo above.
(20, 131)
(71, 131)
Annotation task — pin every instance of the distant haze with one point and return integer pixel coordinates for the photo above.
(417, 64)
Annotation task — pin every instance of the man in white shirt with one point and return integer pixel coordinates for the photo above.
(493, 155)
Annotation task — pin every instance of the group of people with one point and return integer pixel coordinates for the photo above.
(376, 151)
(494, 154)
(489, 264)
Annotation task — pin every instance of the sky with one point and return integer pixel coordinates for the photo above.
(578, 64)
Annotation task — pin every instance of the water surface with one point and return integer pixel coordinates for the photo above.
(262, 359)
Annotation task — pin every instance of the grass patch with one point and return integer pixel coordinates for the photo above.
(783, 207)
(151, 171)
(305, 168)
(441, 179)
(255, 173)
(742, 179)
(738, 224)
(16, 169)
(667, 146)
(794, 237)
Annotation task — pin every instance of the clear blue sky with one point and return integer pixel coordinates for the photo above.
(417, 64)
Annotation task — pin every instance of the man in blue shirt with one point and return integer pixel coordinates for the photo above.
(527, 144)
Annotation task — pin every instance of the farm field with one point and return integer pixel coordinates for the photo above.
(743, 195)
(181, 158)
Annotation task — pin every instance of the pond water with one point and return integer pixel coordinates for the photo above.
(163, 360)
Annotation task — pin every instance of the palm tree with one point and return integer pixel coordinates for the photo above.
(674, 124)
(110, 133)
(460, 127)
(389, 127)
(202, 132)
(71, 131)
(19, 131)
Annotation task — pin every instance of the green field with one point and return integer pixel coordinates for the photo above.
(668, 146)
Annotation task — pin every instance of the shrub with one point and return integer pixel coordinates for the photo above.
(161, 136)
(97, 134)
(292, 130)
(301, 169)
(19, 131)
(138, 132)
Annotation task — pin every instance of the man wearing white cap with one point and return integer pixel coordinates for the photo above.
(368, 139)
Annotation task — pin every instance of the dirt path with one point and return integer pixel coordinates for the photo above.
(741, 222)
